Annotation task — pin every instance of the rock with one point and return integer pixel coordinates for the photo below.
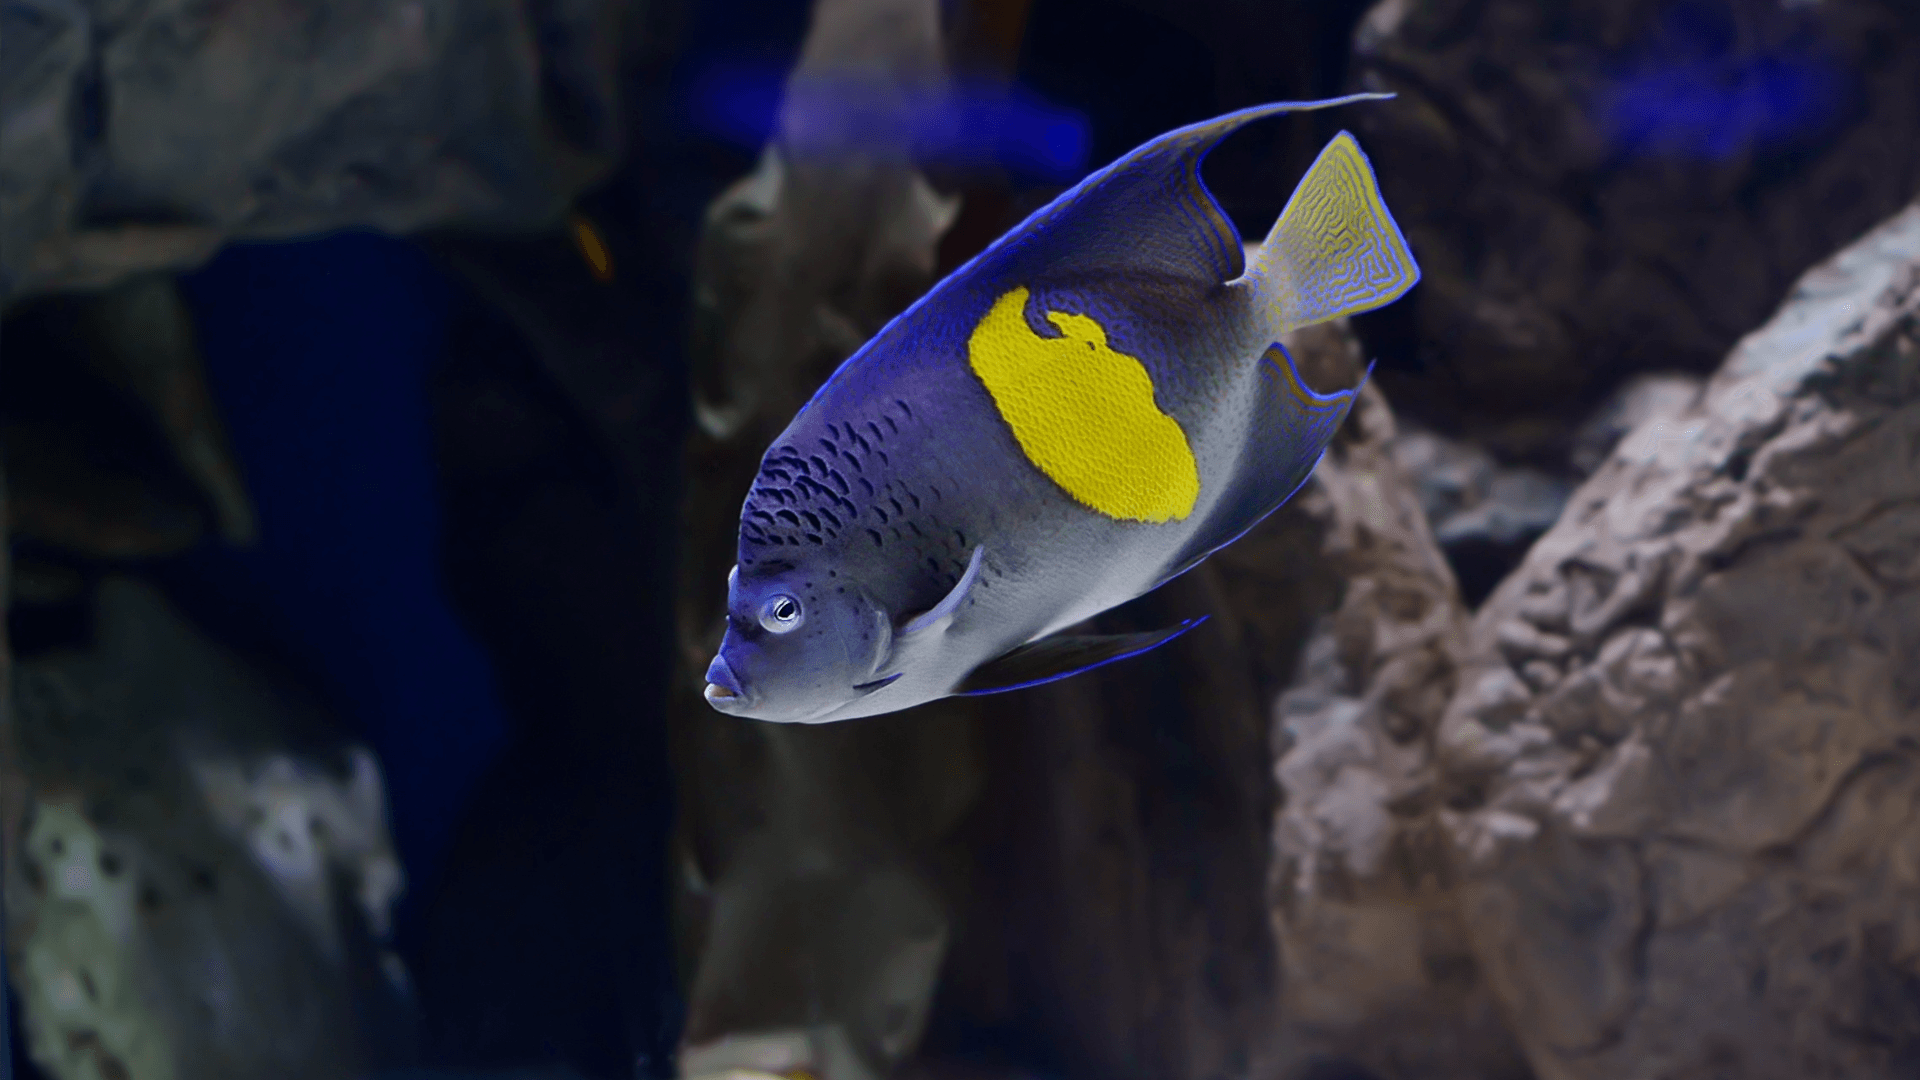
(141, 136)
(1640, 400)
(1226, 857)
(1484, 514)
(63, 498)
(198, 872)
(142, 340)
(1599, 188)
(798, 264)
(112, 437)
(823, 930)
(815, 921)
(1680, 772)
(1377, 969)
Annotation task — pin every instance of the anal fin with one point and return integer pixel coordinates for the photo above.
(1062, 655)
(1289, 432)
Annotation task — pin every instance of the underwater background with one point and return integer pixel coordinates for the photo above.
(380, 381)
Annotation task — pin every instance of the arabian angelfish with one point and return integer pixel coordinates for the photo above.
(1086, 409)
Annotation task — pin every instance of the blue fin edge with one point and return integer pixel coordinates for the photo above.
(1178, 633)
(1311, 398)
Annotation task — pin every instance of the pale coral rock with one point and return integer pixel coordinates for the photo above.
(174, 890)
(1704, 863)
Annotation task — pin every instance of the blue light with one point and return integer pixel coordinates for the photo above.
(1717, 109)
(969, 123)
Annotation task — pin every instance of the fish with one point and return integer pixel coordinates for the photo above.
(1083, 411)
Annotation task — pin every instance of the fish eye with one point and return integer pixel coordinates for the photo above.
(780, 614)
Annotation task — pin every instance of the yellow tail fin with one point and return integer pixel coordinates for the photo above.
(1335, 250)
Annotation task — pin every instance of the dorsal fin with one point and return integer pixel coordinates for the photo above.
(1148, 211)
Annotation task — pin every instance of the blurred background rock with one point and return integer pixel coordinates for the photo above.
(379, 381)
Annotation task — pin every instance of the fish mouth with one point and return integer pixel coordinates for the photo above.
(724, 691)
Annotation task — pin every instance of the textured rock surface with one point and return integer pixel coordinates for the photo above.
(1683, 770)
(198, 874)
(1484, 515)
(1223, 858)
(815, 925)
(142, 135)
(1376, 964)
(114, 447)
(1599, 187)
(1644, 399)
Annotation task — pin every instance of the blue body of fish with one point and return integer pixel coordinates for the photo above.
(1088, 408)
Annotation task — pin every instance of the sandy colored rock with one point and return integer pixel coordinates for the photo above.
(198, 875)
(1680, 769)
(1600, 187)
(64, 498)
(143, 341)
(1643, 399)
(1377, 968)
(141, 136)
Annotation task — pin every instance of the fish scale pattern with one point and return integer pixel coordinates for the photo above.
(812, 495)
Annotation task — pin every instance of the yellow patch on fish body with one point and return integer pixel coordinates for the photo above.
(1084, 414)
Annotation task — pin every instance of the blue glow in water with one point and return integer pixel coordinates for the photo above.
(1066, 143)
(1716, 109)
(737, 102)
(970, 123)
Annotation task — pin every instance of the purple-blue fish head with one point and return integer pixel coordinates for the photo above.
(801, 644)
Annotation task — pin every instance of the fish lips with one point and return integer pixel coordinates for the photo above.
(724, 691)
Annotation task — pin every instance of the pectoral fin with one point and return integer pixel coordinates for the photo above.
(1061, 655)
(940, 615)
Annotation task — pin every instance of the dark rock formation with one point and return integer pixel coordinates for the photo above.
(12, 785)
(113, 444)
(1681, 772)
(1484, 515)
(1224, 857)
(199, 875)
(142, 136)
(1599, 187)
